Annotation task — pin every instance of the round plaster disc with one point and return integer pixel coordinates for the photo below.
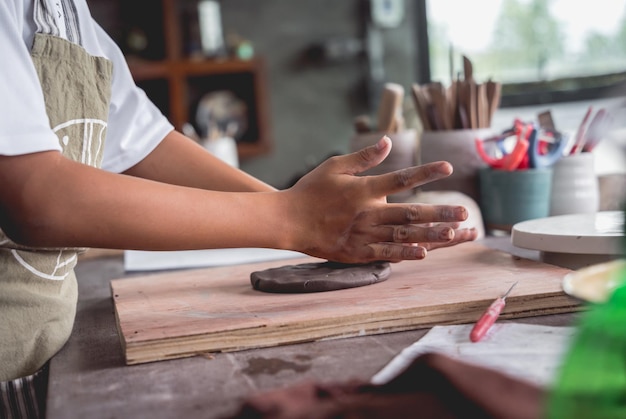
(318, 277)
(596, 233)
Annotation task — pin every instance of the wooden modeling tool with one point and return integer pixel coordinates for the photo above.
(464, 104)
(494, 92)
(390, 107)
(362, 124)
(482, 109)
(469, 92)
(437, 95)
(467, 99)
(421, 106)
(468, 69)
(451, 100)
(546, 121)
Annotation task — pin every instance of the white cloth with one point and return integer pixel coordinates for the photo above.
(135, 125)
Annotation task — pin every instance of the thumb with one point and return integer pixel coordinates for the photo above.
(367, 157)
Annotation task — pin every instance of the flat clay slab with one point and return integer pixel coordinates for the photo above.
(318, 277)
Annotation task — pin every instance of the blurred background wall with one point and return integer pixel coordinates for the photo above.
(311, 100)
(312, 105)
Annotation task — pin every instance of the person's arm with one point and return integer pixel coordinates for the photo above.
(179, 160)
(48, 200)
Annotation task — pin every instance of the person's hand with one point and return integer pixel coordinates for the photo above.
(339, 216)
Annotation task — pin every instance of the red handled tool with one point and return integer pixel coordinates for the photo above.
(489, 317)
(516, 158)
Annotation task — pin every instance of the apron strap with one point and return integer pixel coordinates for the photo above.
(58, 18)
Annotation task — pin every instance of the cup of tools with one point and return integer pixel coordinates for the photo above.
(452, 117)
(508, 197)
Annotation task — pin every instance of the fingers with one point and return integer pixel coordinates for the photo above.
(460, 236)
(401, 180)
(395, 252)
(399, 214)
(413, 234)
(364, 159)
(432, 226)
(389, 183)
(399, 251)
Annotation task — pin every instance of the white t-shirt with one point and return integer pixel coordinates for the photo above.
(135, 125)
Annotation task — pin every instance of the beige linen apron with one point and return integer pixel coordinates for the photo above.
(38, 289)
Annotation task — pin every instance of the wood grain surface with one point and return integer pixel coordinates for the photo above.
(194, 312)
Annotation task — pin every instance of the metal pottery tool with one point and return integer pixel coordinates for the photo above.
(489, 317)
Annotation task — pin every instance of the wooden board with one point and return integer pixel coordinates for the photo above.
(187, 313)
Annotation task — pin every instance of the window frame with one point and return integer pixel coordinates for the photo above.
(535, 97)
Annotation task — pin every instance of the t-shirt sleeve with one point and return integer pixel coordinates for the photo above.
(24, 124)
(135, 125)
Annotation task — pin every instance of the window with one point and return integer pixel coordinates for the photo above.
(541, 50)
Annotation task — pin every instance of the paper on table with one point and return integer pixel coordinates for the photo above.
(529, 352)
(136, 260)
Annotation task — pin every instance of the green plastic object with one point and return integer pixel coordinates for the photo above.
(592, 380)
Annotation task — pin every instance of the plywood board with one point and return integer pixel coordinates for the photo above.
(186, 313)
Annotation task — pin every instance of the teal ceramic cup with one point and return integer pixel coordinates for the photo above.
(508, 197)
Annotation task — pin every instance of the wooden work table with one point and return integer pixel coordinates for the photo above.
(89, 378)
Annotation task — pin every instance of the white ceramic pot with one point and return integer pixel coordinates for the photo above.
(575, 188)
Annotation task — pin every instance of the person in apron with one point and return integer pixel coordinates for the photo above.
(39, 290)
(71, 110)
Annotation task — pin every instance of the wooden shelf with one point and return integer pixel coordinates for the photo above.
(175, 82)
(146, 70)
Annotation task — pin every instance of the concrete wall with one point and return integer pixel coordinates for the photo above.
(312, 107)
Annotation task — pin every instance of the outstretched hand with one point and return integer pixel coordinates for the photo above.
(346, 218)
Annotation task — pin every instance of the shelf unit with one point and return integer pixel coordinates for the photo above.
(175, 81)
